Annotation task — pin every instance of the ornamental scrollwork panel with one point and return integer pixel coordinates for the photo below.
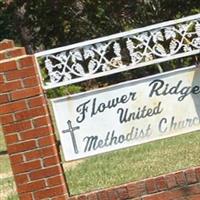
(122, 52)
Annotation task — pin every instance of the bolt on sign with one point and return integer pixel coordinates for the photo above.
(129, 113)
(133, 112)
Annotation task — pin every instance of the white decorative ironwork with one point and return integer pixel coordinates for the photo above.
(123, 51)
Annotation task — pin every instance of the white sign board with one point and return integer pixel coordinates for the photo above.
(129, 113)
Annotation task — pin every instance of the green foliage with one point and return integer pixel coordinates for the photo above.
(61, 91)
(48, 23)
(6, 27)
(45, 24)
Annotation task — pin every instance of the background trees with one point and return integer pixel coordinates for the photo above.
(44, 24)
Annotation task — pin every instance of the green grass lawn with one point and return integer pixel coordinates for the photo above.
(2, 142)
(122, 166)
(7, 184)
(7, 189)
(135, 163)
(5, 164)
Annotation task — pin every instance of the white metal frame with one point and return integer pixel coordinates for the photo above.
(144, 46)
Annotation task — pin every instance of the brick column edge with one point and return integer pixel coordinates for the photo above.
(27, 127)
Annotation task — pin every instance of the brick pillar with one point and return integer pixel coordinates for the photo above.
(27, 127)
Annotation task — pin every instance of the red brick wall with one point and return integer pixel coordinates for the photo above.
(27, 127)
(32, 148)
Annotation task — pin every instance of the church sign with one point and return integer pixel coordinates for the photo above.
(133, 112)
(129, 113)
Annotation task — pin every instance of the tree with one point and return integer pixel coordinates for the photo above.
(44, 24)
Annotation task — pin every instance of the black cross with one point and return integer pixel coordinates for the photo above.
(71, 131)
